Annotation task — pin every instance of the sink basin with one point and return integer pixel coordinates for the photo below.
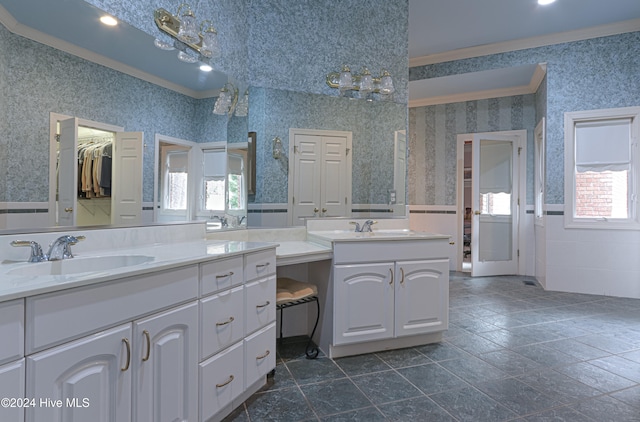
(80, 265)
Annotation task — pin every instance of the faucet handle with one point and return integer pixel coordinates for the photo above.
(75, 239)
(36, 249)
(356, 224)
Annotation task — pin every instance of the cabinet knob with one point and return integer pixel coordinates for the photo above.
(68, 209)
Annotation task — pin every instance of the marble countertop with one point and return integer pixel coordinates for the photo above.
(291, 252)
(158, 257)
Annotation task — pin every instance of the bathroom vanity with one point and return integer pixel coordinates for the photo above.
(186, 335)
(386, 289)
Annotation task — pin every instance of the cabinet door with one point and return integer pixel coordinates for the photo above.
(363, 301)
(422, 298)
(91, 376)
(12, 386)
(165, 366)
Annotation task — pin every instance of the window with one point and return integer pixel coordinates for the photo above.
(602, 168)
(175, 187)
(214, 171)
(539, 163)
(236, 182)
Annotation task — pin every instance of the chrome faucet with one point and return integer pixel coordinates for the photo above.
(358, 229)
(61, 247)
(366, 227)
(36, 250)
(223, 220)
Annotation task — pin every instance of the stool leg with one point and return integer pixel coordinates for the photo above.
(312, 352)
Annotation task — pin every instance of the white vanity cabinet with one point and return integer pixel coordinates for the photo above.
(12, 372)
(165, 366)
(387, 294)
(237, 331)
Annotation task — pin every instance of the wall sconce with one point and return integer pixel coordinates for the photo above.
(277, 148)
(363, 82)
(183, 28)
(227, 100)
(242, 108)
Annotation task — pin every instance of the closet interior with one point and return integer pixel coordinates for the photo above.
(94, 161)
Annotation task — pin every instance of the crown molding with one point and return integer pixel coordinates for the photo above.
(530, 88)
(17, 28)
(622, 27)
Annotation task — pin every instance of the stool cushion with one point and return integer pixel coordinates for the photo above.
(290, 290)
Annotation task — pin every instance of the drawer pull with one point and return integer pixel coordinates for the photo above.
(402, 278)
(261, 266)
(128, 346)
(229, 274)
(226, 382)
(229, 321)
(148, 339)
(263, 355)
(262, 306)
(391, 272)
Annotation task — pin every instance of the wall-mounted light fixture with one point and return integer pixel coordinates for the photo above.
(227, 100)
(277, 148)
(183, 27)
(363, 82)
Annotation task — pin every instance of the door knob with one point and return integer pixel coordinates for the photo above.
(476, 212)
(315, 211)
(69, 209)
(324, 210)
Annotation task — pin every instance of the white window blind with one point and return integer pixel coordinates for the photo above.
(603, 145)
(495, 167)
(215, 163)
(177, 161)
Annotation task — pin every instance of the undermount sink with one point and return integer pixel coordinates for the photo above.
(80, 265)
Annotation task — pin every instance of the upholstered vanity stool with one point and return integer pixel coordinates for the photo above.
(292, 292)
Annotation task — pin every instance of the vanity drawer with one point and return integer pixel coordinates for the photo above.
(221, 380)
(11, 330)
(221, 274)
(56, 318)
(259, 264)
(222, 319)
(261, 303)
(260, 354)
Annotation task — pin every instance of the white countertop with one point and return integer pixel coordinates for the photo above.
(330, 236)
(291, 252)
(163, 256)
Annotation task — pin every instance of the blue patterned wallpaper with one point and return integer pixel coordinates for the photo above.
(4, 121)
(433, 142)
(372, 124)
(49, 80)
(584, 75)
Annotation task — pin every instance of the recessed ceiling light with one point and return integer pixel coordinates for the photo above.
(108, 20)
(545, 2)
(206, 68)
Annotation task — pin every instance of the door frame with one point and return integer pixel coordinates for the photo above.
(291, 164)
(519, 174)
(54, 118)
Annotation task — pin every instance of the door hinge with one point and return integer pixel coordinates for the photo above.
(295, 149)
(519, 150)
(348, 149)
(345, 200)
(518, 201)
(518, 253)
(293, 200)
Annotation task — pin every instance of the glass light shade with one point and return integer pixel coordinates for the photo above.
(210, 47)
(277, 148)
(386, 84)
(224, 101)
(366, 82)
(242, 108)
(188, 32)
(346, 81)
(186, 57)
(162, 45)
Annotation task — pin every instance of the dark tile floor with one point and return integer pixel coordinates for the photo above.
(513, 352)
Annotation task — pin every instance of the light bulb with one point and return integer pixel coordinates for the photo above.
(346, 81)
(188, 32)
(210, 47)
(386, 84)
(366, 81)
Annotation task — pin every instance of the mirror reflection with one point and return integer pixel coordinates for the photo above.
(50, 85)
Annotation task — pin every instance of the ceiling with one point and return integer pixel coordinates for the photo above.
(441, 31)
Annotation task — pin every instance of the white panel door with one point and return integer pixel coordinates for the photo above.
(68, 172)
(400, 170)
(363, 302)
(495, 201)
(333, 191)
(321, 176)
(12, 386)
(421, 297)
(307, 171)
(92, 377)
(126, 191)
(165, 366)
